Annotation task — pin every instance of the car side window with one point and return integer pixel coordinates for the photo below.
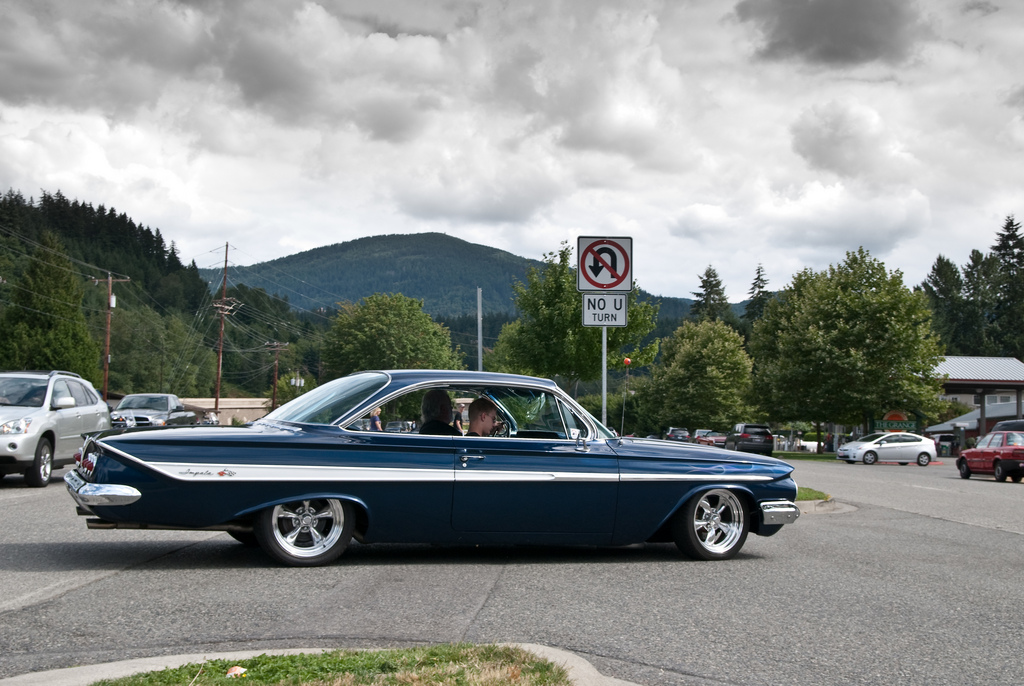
(983, 441)
(572, 421)
(60, 390)
(996, 441)
(80, 394)
(1014, 439)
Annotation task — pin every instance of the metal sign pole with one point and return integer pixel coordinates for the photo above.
(604, 375)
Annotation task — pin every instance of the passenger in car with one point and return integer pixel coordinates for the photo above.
(483, 417)
(436, 408)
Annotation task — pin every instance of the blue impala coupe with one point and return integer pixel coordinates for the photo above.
(305, 479)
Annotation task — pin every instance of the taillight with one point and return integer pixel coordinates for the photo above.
(744, 435)
(87, 461)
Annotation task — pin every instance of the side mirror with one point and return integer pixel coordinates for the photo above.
(64, 403)
(179, 408)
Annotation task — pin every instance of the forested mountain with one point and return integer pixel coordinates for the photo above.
(103, 238)
(442, 271)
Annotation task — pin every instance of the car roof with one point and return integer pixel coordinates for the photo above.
(408, 377)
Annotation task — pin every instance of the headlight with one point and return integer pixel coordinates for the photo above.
(159, 422)
(16, 426)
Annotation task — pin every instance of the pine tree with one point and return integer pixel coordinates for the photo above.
(759, 296)
(711, 303)
(1008, 320)
(44, 328)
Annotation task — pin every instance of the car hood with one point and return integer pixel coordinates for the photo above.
(139, 412)
(9, 412)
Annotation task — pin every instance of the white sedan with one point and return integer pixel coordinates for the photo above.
(888, 447)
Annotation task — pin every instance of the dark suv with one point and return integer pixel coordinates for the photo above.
(150, 409)
(750, 438)
(42, 418)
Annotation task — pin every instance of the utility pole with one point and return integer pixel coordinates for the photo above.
(225, 306)
(106, 349)
(277, 348)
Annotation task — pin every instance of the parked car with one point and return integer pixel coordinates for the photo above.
(999, 453)
(750, 438)
(150, 409)
(1009, 425)
(42, 418)
(677, 434)
(708, 437)
(896, 446)
(303, 480)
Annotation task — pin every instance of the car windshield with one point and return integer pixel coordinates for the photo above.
(330, 402)
(142, 402)
(23, 392)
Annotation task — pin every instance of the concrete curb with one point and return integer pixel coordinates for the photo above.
(824, 507)
(580, 671)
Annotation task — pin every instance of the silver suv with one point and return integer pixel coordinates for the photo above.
(42, 418)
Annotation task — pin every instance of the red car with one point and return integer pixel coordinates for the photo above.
(710, 437)
(1000, 453)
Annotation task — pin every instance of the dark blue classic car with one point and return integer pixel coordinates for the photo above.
(305, 479)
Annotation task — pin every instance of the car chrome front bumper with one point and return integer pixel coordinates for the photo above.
(775, 512)
(89, 495)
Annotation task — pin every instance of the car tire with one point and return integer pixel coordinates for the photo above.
(999, 472)
(246, 538)
(870, 457)
(38, 475)
(923, 459)
(1015, 479)
(712, 525)
(965, 471)
(306, 533)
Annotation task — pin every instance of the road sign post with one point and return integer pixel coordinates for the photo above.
(604, 274)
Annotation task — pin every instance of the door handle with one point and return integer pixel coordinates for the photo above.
(466, 458)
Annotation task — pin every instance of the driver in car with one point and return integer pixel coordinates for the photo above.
(483, 418)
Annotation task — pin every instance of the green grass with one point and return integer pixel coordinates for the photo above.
(804, 493)
(795, 455)
(459, 664)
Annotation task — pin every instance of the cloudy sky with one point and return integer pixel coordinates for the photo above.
(728, 133)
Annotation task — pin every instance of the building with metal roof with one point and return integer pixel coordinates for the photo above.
(981, 377)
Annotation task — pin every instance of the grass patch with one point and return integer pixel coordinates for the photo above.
(804, 493)
(461, 663)
(800, 455)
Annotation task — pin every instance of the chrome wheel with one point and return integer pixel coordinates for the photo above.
(306, 533)
(712, 525)
(38, 475)
(923, 459)
(870, 457)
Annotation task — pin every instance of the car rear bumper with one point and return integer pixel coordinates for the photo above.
(89, 495)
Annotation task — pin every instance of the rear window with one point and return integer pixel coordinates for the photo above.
(757, 430)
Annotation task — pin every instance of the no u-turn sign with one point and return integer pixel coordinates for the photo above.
(605, 264)
(604, 309)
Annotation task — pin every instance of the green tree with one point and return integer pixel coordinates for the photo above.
(759, 296)
(702, 380)
(1008, 314)
(945, 290)
(45, 328)
(387, 331)
(710, 303)
(549, 338)
(844, 343)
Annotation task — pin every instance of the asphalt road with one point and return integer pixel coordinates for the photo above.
(921, 584)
